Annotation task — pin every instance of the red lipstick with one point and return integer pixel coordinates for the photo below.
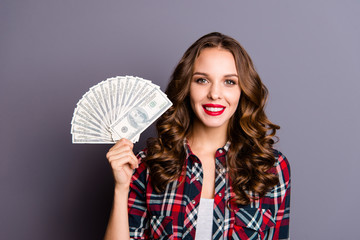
(213, 109)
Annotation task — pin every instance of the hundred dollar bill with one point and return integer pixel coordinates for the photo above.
(96, 97)
(136, 119)
(79, 138)
(118, 97)
(84, 129)
(115, 137)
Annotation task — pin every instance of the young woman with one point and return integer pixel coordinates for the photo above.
(212, 172)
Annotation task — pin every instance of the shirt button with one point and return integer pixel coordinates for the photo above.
(220, 195)
(220, 151)
(193, 201)
(219, 220)
(197, 179)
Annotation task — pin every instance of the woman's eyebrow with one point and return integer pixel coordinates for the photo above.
(200, 73)
(206, 75)
(232, 75)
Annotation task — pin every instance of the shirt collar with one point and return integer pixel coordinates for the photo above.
(188, 151)
(227, 146)
(187, 148)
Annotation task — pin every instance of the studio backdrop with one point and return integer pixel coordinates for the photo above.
(306, 52)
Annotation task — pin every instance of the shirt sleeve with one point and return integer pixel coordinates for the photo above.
(283, 213)
(137, 210)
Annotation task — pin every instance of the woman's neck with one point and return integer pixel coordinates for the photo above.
(204, 139)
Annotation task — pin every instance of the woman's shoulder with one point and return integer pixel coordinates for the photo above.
(282, 166)
(280, 158)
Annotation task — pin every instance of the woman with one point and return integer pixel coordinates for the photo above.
(212, 172)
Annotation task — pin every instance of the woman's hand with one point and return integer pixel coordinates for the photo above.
(123, 162)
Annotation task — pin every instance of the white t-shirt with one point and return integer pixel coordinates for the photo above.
(205, 219)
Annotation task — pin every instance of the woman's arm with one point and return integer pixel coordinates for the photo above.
(123, 162)
(283, 214)
(118, 226)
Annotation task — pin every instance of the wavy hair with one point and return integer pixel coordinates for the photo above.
(250, 157)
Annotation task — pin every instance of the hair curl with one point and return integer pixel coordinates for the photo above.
(250, 132)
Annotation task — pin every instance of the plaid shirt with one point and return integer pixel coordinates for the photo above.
(173, 213)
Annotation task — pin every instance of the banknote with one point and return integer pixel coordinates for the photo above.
(140, 116)
(118, 107)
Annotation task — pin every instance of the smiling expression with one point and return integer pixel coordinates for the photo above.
(214, 88)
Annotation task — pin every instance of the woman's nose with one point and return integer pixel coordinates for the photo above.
(214, 91)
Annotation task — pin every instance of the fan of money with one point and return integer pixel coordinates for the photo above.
(119, 107)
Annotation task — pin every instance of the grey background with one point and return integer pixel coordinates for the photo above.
(51, 52)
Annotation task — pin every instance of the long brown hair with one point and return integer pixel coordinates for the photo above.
(251, 134)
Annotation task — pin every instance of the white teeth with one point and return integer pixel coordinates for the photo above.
(214, 109)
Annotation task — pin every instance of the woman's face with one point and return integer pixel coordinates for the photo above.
(214, 88)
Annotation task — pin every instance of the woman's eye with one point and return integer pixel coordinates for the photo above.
(230, 82)
(201, 80)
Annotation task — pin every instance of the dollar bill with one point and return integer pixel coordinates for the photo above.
(79, 138)
(142, 115)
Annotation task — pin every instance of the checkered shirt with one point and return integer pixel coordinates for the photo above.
(172, 214)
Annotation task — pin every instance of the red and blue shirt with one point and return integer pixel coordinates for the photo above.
(172, 214)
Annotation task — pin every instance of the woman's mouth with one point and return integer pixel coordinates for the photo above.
(213, 109)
